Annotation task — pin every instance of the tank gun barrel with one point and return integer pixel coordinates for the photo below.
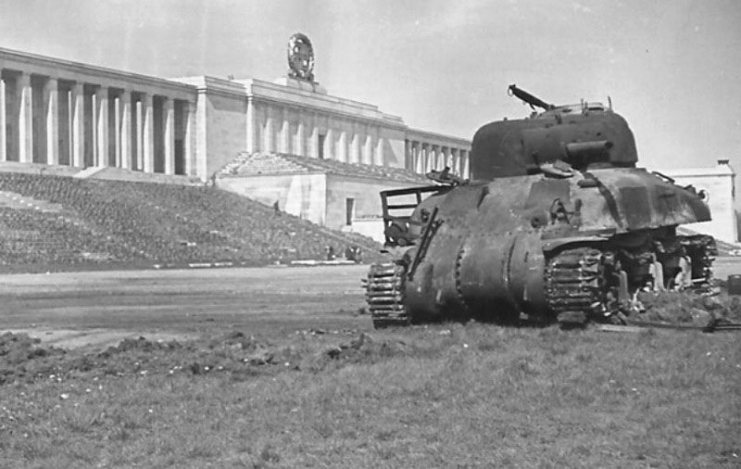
(580, 148)
(529, 99)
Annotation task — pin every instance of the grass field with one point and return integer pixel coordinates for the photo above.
(441, 396)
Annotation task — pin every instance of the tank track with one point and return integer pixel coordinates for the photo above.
(575, 285)
(384, 295)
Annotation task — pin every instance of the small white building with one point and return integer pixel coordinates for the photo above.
(718, 183)
(338, 195)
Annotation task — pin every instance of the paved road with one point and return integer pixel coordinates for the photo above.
(182, 301)
(725, 266)
(103, 307)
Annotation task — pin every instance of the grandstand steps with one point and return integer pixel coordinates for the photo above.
(66, 221)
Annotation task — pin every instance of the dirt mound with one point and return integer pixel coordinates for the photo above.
(21, 355)
(689, 308)
(237, 354)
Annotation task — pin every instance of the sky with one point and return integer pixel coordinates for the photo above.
(672, 68)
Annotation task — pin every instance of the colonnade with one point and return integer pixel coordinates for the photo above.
(55, 120)
(274, 128)
(423, 157)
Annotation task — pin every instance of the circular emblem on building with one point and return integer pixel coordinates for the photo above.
(300, 57)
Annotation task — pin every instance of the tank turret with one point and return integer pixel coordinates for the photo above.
(585, 135)
(557, 223)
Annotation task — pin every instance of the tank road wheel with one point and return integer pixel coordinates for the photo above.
(385, 295)
(576, 287)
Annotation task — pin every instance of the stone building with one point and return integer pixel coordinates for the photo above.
(76, 115)
(718, 184)
(67, 113)
(109, 123)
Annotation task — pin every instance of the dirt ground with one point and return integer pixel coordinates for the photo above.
(99, 309)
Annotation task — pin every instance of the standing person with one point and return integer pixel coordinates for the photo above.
(683, 279)
(656, 271)
(330, 253)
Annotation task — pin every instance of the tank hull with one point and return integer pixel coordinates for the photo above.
(541, 246)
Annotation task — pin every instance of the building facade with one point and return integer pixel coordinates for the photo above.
(67, 113)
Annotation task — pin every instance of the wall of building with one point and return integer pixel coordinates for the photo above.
(302, 195)
(366, 217)
(227, 126)
(428, 151)
(718, 183)
(221, 123)
(302, 119)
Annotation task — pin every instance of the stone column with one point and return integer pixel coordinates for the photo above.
(380, 158)
(3, 122)
(377, 148)
(251, 147)
(355, 148)
(342, 150)
(51, 105)
(455, 161)
(412, 156)
(313, 144)
(300, 137)
(147, 133)
(78, 125)
(169, 131)
(420, 158)
(25, 118)
(269, 131)
(190, 129)
(258, 131)
(285, 132)
(328, 144)
(408, 157)
(368, 149)
(415, 156)
(101, 119)
(465, 171)
(139, 109)
(125, 143)
(117, 131)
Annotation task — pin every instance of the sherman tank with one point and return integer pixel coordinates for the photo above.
(555, 224)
